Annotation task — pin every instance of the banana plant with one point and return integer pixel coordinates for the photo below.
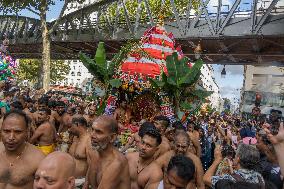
(103, 71)
(180, 83)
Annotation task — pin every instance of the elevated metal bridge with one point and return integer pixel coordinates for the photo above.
(229, 34)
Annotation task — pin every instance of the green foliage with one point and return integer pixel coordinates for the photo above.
(101, 68)
(29, 69)
(58, 70)
(104, 70)
(116, 12)
(12, 6)
(180, 83)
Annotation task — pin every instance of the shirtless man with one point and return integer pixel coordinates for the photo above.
(145, 173)
(91, 116)
(27, 107)
(56, 116)
(63, 131)
(180, 171)
(56, 171)
(19, 160)
(78, 149)
(108, 168)
(122, 114)
(45, 135)
(66, 119)
(181, 148)
(136, 138)
(162, 123)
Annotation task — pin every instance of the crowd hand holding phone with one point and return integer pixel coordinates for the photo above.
(278, 138)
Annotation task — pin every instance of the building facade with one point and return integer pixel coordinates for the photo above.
(207, 82)
(266, 81)
(78, 76)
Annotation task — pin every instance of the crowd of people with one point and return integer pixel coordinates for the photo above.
(56, 141)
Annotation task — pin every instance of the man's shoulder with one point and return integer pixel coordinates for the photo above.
(132, 155)
(2, 147)
(44, 125)
(192, 156)
(36, 153)
(120, 157)
(155, 170)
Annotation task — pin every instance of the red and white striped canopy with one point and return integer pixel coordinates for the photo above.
(158, 44)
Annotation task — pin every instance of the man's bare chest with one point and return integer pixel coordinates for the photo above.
(17, 175)
(79, 150)
(143, 176)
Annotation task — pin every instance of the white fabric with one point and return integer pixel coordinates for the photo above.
(161, 185)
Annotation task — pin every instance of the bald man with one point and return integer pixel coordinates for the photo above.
(107, 167)
(181, 147)
(56, 171)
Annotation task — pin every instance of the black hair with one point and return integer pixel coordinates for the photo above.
(144, 127)
(184, 167)
(18, 113)
(43, 100)
(80, 120)
(228, 150)
(196, 127)
(51, 104)
(60, 103)
(46, 110)
(166, 122)
(29, 100)
(154, 133)
(17, 105)
(178, 126)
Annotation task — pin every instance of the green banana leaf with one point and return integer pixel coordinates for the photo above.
(101, 109)
(100, 56)
(156, 83)
(92, 66)
(183, 67)
(192, 76)
(201, 94)
(172, 67)
(115, 83)
(185, 105)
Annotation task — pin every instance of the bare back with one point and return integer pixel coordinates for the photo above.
(108, 173)
(44, 135)
(21, 174)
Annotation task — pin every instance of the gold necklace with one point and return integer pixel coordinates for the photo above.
(139, 171)
(17, 158)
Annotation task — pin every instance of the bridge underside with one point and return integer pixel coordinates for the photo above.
(253, 50)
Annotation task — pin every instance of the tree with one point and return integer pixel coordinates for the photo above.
(40, 8)
(30, 69)
(116, 11)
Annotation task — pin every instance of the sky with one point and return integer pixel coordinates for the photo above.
(232, 83)
(52, 14)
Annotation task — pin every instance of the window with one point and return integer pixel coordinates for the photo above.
(72, 73)
(78, 73)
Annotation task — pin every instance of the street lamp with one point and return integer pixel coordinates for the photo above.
(223, 72)
(198, 51)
